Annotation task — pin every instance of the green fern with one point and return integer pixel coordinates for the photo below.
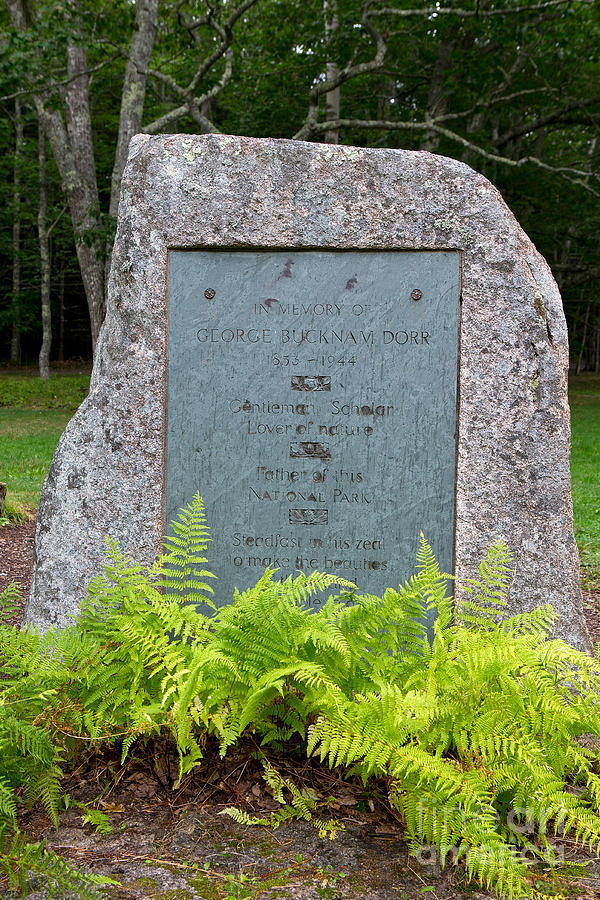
(180, 567)
(483, 600)
(301, 806)
(96, 818)
(478, 715)
(21, 860)
(488, 715)
(466, 721)
(11, 599)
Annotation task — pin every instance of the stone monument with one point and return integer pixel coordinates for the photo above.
(338, 348)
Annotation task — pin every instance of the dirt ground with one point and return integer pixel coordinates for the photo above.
(167, 843)
(171, 844)
(16, 556)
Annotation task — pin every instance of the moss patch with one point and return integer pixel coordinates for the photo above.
(203, 885)
(174, 895)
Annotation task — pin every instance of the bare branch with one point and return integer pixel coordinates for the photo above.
(352, 70)
(162, 123)
(430, 12)
(238, 12)
(190, 27)
(226, 35)
(166, 79)
(209, 62)
(225, 78)
(557, 115)
(195, 111)
(192, 105)
(506, 160)
(579, 177)
(487, 103)
(46, 85)
(57, 220)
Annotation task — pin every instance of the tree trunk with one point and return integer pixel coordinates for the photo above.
(72, 148)
(44, 358)
(79, 123)
(583, 339)
(332, 98)
(83, 206)
(87, 220)
(437, 98)
(132, 101)
(15, 343)
(134, 90)
(61, 317)
(69, 134)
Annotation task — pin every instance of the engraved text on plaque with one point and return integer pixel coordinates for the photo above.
(312, 402)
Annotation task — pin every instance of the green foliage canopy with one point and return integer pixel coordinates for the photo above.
(509, 87)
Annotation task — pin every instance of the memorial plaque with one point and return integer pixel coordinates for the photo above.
(312, 400)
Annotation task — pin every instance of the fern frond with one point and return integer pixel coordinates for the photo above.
(8, 804)
(45, 786)
(11, 599)
(485, 600)
(242, 817)
(301, 807)
(181, 566)
(465, 718)
(20, 859)
(96, 818)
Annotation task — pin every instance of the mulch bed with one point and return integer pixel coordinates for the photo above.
(16, 558)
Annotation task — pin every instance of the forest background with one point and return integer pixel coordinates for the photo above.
(512, 88)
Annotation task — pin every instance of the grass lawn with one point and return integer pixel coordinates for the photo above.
(61, 391)
(33, 415)
(28, 438)
(584, 396)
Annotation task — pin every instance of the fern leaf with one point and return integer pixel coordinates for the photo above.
(11, 599)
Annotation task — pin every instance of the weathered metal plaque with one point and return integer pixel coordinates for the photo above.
(312, 402)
